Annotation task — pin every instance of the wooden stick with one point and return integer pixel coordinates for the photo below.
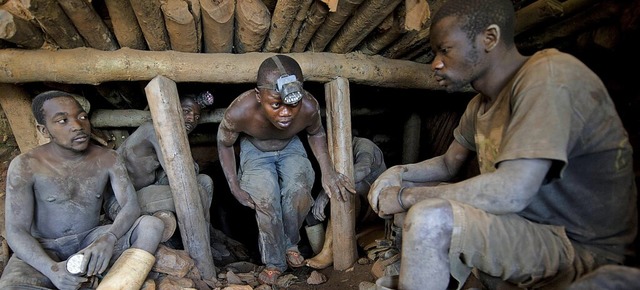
(16, 104)
(162, 95)
(125, 24)
(181, 26)
(55, 23)
(151, 22)
(19, 31)
(217, 22)
(368, 16)
(341, 152)
(92, 66)
(89, 24)
(252, 25)
(332, 24)
(295, 26)
(316, 16)
(280, 23)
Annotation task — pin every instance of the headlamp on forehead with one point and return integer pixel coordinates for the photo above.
(288, 86)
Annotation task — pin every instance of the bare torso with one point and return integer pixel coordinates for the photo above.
(140, 155)
(67, 194)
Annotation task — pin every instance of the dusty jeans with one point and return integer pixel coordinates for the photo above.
(279, 182)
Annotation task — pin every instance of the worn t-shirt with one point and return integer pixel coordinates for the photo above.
(556, 108)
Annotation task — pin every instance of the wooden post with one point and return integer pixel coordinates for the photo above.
(252, 25)
(217, 23)
(281, 23)
(162, 95)
(89, 24)
(16, 104)
(125, 24)
(341, 152)
(315, 17)
(151, 22)
(181, 26)
(332, 24)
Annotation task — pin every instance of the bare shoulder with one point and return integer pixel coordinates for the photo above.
(239, 111)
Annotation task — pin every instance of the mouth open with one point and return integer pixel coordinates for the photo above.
(81, 138)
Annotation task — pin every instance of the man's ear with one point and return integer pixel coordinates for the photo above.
(491, 37)
(257, 94)
(43, 130)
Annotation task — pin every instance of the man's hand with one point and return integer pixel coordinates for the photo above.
(391, 177)
(98, 254)
(319, 204)
(337, 185)
(389, 202)
(244, 198)
(62, 279)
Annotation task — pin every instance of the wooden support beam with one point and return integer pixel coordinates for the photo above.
(19, 31)
(295, 26)
(164, 103)
(181, 26)
(332, 24)
(281, 20)
(92, 66)
(125, 24)
(89, 24)
(417, 14)
(316, 16)
(367, 17)
(386, 33)
(151, 23)
(55, 22)
(341, 151)
(16, 104)
(217, 23)
(252, 25)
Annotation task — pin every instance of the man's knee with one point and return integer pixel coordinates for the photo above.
(429, 214)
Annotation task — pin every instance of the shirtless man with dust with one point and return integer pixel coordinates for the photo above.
(53, 201)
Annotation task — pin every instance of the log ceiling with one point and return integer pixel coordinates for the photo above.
(372, 42)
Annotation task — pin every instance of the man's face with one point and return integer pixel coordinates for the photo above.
(66, 124)
(278, 113)
(190, 114)
(456, 59)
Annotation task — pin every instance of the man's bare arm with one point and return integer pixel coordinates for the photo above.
(226, 138)
(125, 194)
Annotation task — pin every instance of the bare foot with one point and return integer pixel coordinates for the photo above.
(322, 260)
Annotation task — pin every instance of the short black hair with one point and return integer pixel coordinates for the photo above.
(290, 65)
(38, 102)
(479, 14)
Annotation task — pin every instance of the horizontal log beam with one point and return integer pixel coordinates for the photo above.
(92, 66)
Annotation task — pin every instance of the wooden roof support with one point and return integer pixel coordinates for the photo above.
(316, 16)
(217, 23)
(89, 24)
(283, 16)
(125, 24)
(55, 23)
(162, 95)
(92, 66)
(252, 25)
(332, 24)
(181, 26)
(151, 22)
(16, 104)
(388, 31)
(19, 31)
(295, 26)
(343, 218)
(368, 16)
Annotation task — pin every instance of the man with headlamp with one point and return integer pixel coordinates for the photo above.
(275, 176)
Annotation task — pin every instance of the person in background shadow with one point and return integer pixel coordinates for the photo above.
(145, 164)
(53, 205)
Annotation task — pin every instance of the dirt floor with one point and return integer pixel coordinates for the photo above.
(343, 280)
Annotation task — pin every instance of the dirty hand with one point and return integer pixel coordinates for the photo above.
(337, 185)
(98, 254)
(388, 202)
(391, 177)
(319, 204)
(244, 198)
(62, 279)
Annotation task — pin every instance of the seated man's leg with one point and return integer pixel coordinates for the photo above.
(205, 186)
(505, 246)
(17, 274)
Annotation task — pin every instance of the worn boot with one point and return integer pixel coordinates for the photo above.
(325, 258)
(129, 271)
(316, 237)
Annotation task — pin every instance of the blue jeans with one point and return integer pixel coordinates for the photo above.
(279, 182)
